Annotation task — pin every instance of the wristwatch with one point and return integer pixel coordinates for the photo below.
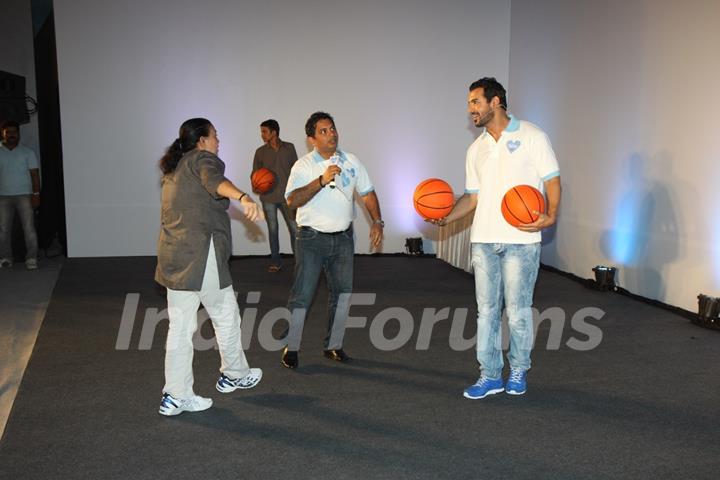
(380, 222)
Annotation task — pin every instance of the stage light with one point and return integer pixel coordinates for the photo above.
(604, 277)
(708, 311)
(414, 246)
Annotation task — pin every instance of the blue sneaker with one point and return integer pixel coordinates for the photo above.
(517, 382)
(484, 387)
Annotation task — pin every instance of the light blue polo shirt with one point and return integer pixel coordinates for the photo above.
(330, 210)
(14, 170)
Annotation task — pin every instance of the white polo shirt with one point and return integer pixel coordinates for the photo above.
(521, 156)
(330, 210)
(14, 170)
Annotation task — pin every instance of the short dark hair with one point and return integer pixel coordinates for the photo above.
(8, 124)
(491, 88)
(314, 119)
(272, 125)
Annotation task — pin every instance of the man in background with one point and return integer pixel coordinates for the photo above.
(278, 157)
(19, 191)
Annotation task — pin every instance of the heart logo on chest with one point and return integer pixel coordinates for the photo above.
(513, 145)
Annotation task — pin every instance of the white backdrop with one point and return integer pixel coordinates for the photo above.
(627, 91)
(394, 73)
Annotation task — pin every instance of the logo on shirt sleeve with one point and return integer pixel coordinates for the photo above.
(513, 145)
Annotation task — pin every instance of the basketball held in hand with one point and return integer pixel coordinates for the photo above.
(433, 199)
(262, 180)
(520, 202)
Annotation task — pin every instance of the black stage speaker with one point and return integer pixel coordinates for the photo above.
(12, 98)
(414, 246)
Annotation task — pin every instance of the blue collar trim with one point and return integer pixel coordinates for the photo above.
(514, 125)
(319, 159)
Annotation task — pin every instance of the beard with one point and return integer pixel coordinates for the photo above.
(481, 120)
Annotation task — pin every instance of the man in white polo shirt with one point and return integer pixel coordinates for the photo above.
(505, 259)
(321, 186)
(19, 190)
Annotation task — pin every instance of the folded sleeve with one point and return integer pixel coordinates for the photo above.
(211, 172)
(300, 175)
(544, 158)
(363, 185)
(32, 160)
(472, 177)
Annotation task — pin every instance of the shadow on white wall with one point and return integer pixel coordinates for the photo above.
(644, 237)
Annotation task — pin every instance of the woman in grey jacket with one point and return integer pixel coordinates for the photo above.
(193, 252)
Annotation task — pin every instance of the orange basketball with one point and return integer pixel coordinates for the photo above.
(262, 180)
(433, 198)
(519, 203)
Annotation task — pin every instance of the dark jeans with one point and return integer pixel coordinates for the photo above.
(271, 218)
(314, 252)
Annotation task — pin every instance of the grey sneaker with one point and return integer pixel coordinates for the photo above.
(226, 384)
(170, 406)
(5, 263)
(31, 263)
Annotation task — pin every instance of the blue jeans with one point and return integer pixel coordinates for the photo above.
(271, 218)
(509, 271)
(23, 205)
(315, 252)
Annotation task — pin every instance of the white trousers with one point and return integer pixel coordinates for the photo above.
(223, 310)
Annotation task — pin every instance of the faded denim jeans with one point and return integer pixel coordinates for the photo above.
(504, 271)
(23, 205)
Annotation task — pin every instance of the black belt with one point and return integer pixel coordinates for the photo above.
(325, 233)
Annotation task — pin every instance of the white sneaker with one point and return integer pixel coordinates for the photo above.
(170, 405)
(31, 263)
(226, 384)
(5, 263)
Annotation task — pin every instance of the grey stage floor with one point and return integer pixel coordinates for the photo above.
(642, 404)
(24, 297)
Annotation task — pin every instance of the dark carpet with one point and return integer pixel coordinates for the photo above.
(644, 403)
